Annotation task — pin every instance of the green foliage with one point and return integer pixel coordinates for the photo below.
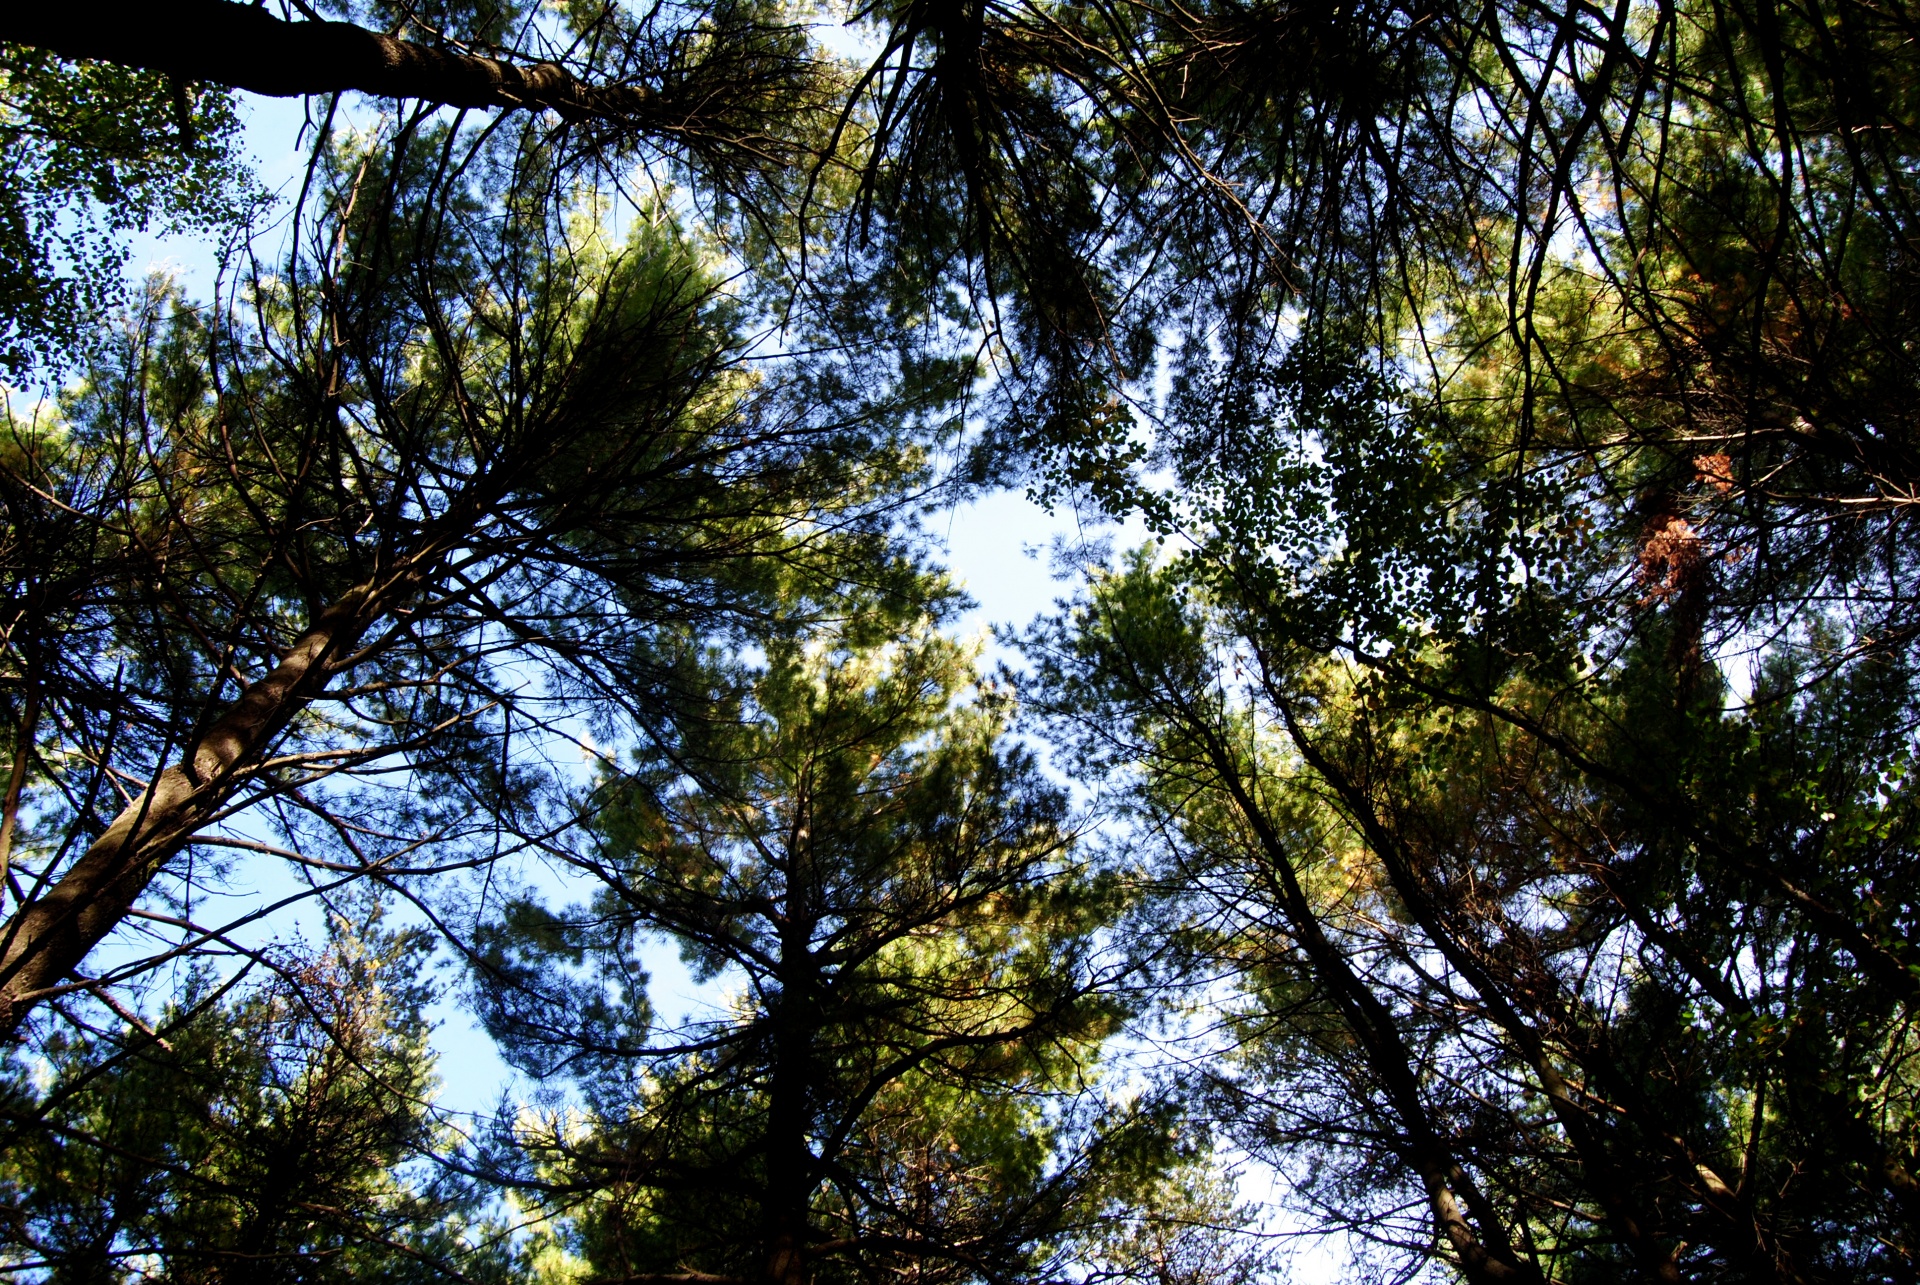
(1636, 959)
(477, 369)
(907, 1078)
(93, 151)
(268, 1132)
(1513, 719)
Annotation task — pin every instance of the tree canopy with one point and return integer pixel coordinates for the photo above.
(1471, 831)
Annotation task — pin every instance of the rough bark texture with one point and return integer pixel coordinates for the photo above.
(248, 48)
(48, 938)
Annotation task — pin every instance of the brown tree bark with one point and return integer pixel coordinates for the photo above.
(248, 48)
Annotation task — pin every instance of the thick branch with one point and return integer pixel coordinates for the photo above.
(248, 48)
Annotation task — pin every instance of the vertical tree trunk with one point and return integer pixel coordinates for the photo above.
(789, 1158)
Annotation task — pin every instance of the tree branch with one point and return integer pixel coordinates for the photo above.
(248, 48)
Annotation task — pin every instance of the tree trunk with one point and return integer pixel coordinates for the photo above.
(789, 1158)
(1486, 1256)
(1604, 1178)
(248, 48)
(49, 937)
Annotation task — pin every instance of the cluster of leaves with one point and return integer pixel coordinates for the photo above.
(92, 152)
(272, 1132)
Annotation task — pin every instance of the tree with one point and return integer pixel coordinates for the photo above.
(256, 1132)
(1531, 958)
(1135, 686)
(1533, 485)
(924, 989)
(119, 116)
(641, 77)
(1527, 704)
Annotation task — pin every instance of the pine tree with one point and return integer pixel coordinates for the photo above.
(282, 1130)
(922, 981)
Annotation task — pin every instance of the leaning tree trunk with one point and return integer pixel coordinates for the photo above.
(49, 937)
(1463, 1215)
